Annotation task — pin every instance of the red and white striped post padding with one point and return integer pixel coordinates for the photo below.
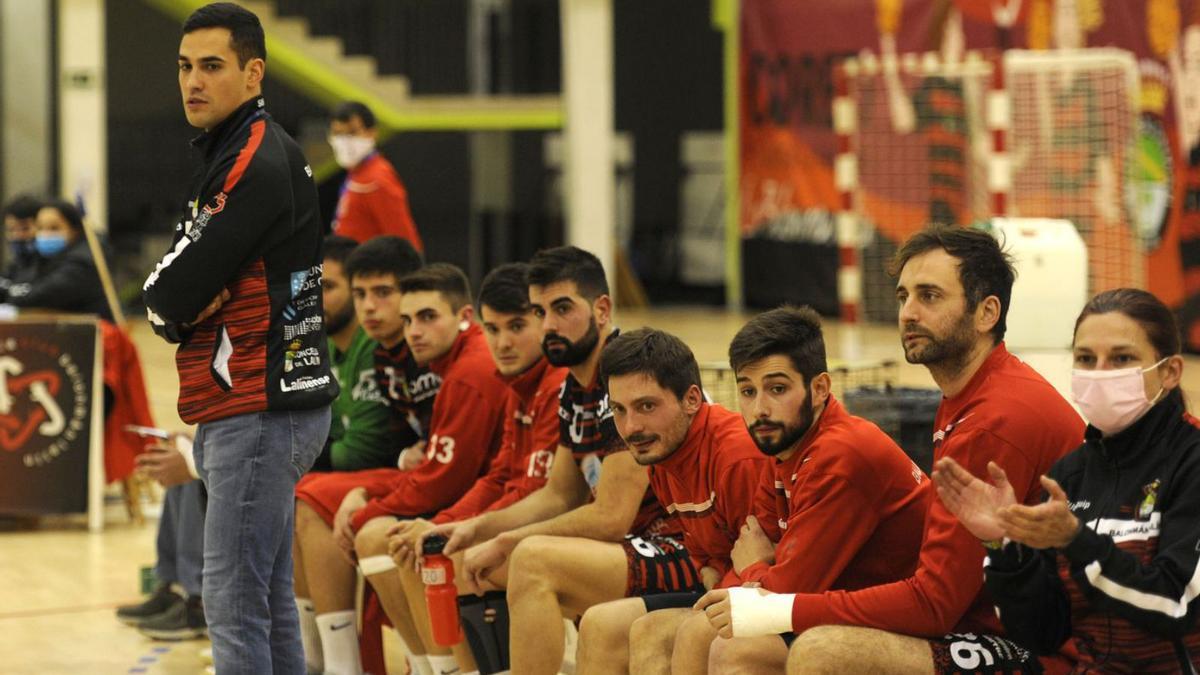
(845, 177)
(999, 121)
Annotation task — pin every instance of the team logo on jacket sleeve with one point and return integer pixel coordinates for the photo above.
(195, 227)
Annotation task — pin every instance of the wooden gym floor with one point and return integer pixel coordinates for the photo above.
(59, 584)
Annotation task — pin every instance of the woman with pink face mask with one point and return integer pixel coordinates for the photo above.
(1103, 576)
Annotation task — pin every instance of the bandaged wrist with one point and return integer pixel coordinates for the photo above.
(753, 614)
(376, 564)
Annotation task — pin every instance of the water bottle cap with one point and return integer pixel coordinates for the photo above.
(433, 545)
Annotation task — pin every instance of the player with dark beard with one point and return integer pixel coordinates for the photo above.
(596, 494)
(837, 484)
(359, 432)
(953, 288)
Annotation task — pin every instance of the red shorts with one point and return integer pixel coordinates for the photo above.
(658, 565)
(324, 492)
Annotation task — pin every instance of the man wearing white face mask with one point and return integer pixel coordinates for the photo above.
(372, 201)
(1106, 570)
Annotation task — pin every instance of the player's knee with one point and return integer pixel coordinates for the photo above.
(603, 627)
(649, 638)
(643, 626)
(594, 627)
(819, 650)
(530, 563)
(695, 633)
(304, 514)
(731, 656)
(372, 537)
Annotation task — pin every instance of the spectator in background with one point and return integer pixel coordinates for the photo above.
(372, 200)
(20, 221)
(360, 429)
(174, 611)
(65, 279)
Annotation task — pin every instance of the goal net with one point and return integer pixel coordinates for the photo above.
(925, 136)
(1073, 133)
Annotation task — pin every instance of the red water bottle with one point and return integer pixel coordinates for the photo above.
(441, 595)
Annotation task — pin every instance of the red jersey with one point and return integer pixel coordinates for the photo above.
(709, 483)
(464, 435)
(1007, 414)
(527, 450)
(851, 493)
(373, 202)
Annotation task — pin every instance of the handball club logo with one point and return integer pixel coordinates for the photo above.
(44, 400)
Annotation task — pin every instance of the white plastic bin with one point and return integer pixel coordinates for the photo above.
(1051, 286)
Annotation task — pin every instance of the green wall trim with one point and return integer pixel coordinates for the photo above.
(323, 85)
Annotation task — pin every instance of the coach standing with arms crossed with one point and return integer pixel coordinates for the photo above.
(240, 292)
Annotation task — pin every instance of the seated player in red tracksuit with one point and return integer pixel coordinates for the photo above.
(704, 468)
(953, 288)
(520, 467)
(374, 270)
(463, 433)
(553, 551)
(839, 505)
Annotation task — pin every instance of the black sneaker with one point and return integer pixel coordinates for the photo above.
(163, 599)
(184, 621)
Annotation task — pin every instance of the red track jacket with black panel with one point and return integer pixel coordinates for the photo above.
(251, 226)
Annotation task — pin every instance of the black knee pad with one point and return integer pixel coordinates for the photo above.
(485, 624)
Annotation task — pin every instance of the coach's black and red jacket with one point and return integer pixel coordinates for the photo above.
(251, 226)
(1121, 597)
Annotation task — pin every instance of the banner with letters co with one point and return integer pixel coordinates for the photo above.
(46, 375)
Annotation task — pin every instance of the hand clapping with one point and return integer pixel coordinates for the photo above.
(991, 512)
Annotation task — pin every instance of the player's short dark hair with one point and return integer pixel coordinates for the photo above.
(336, 247)
(384, 255)
(794, 332)
(569, 263)
(23, 207)
(246, 36)
(654, 353)
(68, 211)
(984, 268)
(444, 278)
(504, 289)
(348, 110)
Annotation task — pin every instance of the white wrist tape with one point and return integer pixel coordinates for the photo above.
(376, 564)
(753, 614)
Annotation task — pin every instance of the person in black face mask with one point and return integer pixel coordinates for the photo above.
(20, 220)
(64, 277)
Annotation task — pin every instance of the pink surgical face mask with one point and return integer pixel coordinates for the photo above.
(1112, 400)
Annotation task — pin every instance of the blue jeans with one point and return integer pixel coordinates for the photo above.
(250, 465)
(180, 544)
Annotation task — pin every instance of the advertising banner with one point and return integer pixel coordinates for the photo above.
(47, 369)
